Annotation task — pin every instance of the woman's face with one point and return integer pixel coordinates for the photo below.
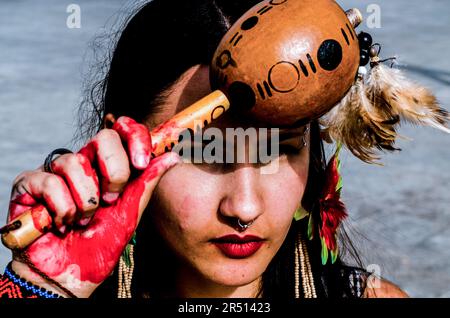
(196, 205)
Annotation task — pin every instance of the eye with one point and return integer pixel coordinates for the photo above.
(290, 149)
(292, 146)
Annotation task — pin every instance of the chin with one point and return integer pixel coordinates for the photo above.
(236, 273)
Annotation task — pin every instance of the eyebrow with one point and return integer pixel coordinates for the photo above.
(269, 124)
(294, 131)
(285, 132)
(289, 133)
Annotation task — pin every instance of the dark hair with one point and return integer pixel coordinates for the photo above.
(159, 43)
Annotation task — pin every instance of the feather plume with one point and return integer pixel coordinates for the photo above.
(360, 126)
(366, 118)
(389, 88)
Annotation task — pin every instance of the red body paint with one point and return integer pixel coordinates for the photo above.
(90, 152)
(96, 250)
(165, 129)
(19, 204)
(24, 199)
(24, 202)
(41, 219)
(164, 135)
(88, 172)
(97, 253)
(138, 139)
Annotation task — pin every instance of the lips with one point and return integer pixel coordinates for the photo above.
(234, 246)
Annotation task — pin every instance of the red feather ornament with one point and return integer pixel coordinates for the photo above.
(332, 209)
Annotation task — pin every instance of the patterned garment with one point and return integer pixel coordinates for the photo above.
(9, 289)
(357, 281)
(13, 286)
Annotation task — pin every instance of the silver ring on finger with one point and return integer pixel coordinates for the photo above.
(48, 161)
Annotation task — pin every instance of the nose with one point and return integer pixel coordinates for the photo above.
(244, 199)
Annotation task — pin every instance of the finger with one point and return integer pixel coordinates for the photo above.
(143, 186)
(123, 217)
(51, 189)
(20, 200)
(106, 150)
(113, 226)
(138, 140)
(82, 181)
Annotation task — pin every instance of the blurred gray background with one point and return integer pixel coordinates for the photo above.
(399, 213)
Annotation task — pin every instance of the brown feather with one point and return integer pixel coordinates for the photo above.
(361, 127)
(388, 88)
(366, 118)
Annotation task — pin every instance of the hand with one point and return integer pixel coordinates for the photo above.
(88, 237)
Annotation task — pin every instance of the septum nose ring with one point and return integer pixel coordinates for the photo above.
(244, 226)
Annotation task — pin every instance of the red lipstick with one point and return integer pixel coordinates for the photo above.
(235, 246)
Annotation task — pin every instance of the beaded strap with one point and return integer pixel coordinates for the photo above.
(14, 286)
(303, 267)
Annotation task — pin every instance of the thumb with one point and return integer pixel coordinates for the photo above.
(142, 187)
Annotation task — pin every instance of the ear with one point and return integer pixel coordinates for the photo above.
(108, 120)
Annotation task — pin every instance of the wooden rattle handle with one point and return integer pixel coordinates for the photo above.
(26, 228)
(198, 115)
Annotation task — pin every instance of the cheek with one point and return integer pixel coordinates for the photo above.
(285, 190)
(188, 211)
(184, 205)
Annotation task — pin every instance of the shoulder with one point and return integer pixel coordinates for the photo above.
(380, 288)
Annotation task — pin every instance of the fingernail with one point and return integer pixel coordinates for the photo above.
(63, 229)
(85, 221)
(141, 161)
(110, 197)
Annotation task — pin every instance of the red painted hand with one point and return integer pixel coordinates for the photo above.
(85, 256)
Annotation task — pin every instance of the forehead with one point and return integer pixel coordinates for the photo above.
(190, 87)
